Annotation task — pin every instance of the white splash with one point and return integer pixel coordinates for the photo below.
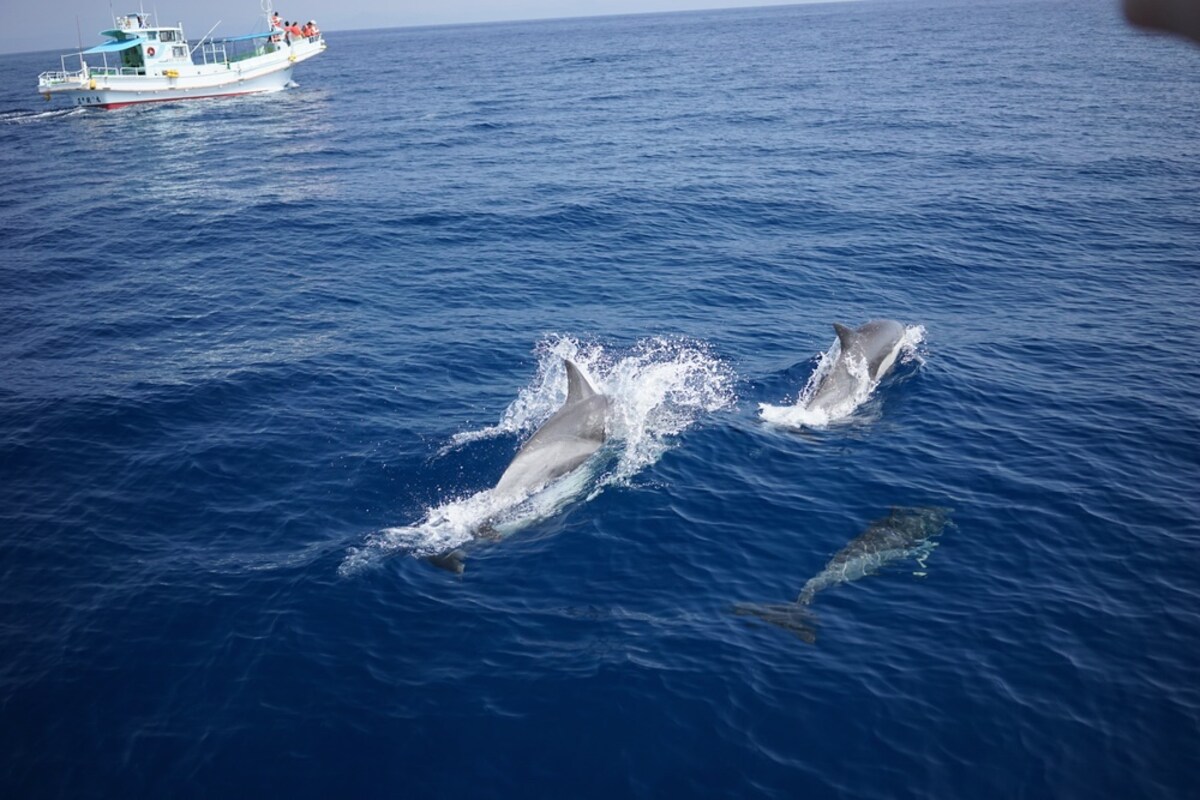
(25, 117)
(657, 390)
(800, 415)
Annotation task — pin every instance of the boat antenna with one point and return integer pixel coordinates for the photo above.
(79, 33)
(205, 36)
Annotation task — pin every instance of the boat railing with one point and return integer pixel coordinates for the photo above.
(116, 71)
(79, 75)
(61, 76)
(67, 76)
(214, 53)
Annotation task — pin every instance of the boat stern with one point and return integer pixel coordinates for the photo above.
(60, 81)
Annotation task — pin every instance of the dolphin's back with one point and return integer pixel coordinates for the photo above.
(897, 536)
(564, 442)
(903, 533)
(880, 341)
(877, 343)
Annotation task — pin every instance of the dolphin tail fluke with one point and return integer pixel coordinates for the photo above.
(792, 617)
(454, 561)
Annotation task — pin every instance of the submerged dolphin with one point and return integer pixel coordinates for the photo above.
(905, 533)
(563, 443)
(875, 345)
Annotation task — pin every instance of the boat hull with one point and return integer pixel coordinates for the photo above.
(266, 73)
(120, 96)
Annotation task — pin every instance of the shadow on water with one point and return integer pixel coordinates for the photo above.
(904, 533)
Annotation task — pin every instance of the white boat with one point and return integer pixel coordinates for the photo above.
(153, 63)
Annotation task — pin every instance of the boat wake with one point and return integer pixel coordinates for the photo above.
(801, 415)
(25, 116)
(657, 389)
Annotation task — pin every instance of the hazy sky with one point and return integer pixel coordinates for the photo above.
(26, 25)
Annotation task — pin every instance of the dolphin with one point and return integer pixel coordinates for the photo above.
(904, 533)
(564, 441)
(874, 345)
(561, 445)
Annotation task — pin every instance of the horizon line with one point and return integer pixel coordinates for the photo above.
(484, 22)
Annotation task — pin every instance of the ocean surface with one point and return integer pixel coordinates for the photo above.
(259, 357)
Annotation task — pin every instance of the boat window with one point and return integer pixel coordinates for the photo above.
(167, 36)
(179, 52)
(152, 35)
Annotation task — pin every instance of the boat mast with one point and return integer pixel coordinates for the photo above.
(79, 35)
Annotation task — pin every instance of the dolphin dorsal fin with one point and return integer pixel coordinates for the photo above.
(577, 386)
(845, 335)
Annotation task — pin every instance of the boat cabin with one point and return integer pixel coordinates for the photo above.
(138, 48)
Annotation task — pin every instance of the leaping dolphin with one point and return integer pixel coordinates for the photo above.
(905, 533)
(562, 444)
(565, 441)
(875, 345)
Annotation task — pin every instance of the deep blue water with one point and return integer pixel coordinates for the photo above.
(253, 353)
